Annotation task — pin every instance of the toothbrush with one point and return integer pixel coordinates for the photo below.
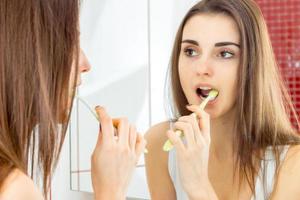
(212, 94)
(115, 122)
(88, 107)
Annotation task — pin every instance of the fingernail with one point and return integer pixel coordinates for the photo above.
(98, 107)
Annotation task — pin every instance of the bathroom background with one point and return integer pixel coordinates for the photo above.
(128, 43)
(283, 20)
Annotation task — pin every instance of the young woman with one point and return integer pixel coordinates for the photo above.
(242, 145)
(40, 66)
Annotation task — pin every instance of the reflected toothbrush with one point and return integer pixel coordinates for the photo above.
(88, 107)
(212, 94)
(114, 121)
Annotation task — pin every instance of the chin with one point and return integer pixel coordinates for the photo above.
(214, 115)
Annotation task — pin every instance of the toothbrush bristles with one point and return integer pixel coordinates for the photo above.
(212, 94)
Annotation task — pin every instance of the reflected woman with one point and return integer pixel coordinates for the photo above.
(242, 145)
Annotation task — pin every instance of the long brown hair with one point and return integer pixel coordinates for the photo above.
(263, 104)
(38, 44)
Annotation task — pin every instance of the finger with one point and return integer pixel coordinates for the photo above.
(192, 119)
(188, 132)
(99, 141)
(123, 131)
(140, 145)
(106, 128)
(132, 137)
(204, 120)
(176, 140)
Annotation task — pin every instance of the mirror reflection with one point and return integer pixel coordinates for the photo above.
(135, 43)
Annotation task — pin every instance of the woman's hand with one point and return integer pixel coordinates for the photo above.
(114, 160)
(192, 157)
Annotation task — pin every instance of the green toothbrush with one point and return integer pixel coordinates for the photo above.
(94, 113)
(212, 94)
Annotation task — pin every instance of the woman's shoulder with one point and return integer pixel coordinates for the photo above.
(19, 186)
(156, 135)
(287, 184)
(156, 161)
(292, 159)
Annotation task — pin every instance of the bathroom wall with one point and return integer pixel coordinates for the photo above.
(283, 20)
(161, 19)
(129, 44)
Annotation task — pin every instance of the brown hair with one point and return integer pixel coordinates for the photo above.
(263, 103)
(38, 44)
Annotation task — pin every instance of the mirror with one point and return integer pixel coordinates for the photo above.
(123, 41)
(115, 41)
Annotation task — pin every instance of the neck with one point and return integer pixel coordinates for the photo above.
(222, 136)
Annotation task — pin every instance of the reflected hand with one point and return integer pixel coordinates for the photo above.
(113, 161)
(192, 157)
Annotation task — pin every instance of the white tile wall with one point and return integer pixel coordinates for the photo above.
(128, 43)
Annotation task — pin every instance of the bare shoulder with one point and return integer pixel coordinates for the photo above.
(156, 160)
(20, 182)
(288, 180)
(291, 163)
(156, 135)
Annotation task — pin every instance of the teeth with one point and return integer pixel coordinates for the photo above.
(205, 88)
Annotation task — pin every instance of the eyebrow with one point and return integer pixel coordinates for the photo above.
(219, 44)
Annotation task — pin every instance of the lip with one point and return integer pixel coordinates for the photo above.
(210, 103)
(204, 85)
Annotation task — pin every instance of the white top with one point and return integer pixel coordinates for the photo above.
(262, 189)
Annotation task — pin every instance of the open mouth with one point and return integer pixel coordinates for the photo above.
(203, 92)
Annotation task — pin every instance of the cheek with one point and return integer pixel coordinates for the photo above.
(230, 82)
(183, 77)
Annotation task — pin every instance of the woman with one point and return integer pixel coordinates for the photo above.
(242, 145)
(40, 66)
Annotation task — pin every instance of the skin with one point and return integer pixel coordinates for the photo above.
(112, 162)
(206, 161)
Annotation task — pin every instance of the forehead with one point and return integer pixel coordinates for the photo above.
(211, 28)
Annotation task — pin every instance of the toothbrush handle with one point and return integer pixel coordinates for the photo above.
(168, 144)
(203, 104)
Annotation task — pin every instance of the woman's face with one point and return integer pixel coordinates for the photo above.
(209, 59)
(83, 66)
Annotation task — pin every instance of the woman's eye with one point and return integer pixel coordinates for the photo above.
(226, 54)
(190, 52)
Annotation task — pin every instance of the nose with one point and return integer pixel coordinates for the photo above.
(204, 67)
(84, 64)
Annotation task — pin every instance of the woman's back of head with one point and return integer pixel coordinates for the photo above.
(38, 43)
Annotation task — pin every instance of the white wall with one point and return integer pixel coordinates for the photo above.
(138, 35)
(165, 17)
